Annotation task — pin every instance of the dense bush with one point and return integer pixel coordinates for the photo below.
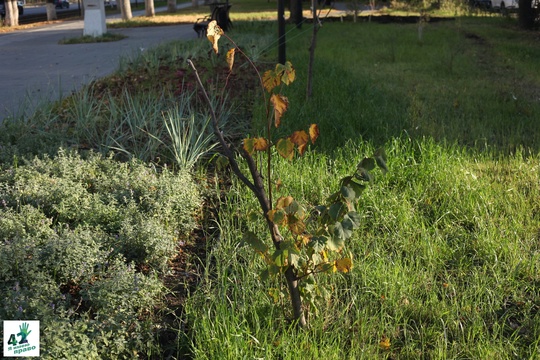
(82, 243)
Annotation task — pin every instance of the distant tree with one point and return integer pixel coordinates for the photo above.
(171, 6)
(297, 17)
(316, 26)
(282, 43)
(12, 13)
(149, 9)
(125, 9)
(526, 14)
(51, 10)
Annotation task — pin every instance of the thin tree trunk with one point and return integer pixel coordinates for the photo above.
(526, 14)
(295, 7)
(171, 6)
(149, 8)
(296, 300)
(51, 11)
(12, 13)
(282, 57)
(125, 9)
(277, 238)
(120, 5)
(312, 49)
(194, 4)
(257, 187)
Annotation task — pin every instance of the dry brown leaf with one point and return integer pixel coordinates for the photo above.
(300, 139)
(280, 103)
(230, 58)
(213, 33)
(313, 132)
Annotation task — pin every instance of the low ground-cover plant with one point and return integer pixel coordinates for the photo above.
(83, 241)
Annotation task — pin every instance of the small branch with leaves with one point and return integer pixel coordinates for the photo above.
(312, 244)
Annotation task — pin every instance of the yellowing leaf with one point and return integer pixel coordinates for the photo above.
(230, 58)
(274, 294)
(285, 148)
(324, 255)
(286, 72)
(249, 145)
(344, 265)
(260, 144)
(279, 184)
(300, 139)
(277, 216)
(284, 201)
(270, 80)
(255, 144)
(280, 103)
(304, 239)
(213, 33)
(296, 225)
(384, 343)
(313, 132)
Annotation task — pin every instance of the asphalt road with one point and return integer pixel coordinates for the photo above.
(36, 68)
(35, 10)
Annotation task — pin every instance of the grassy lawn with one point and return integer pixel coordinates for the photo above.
(447, 257)
(447, 260)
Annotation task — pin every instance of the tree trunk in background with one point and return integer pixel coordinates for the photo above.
(149, 8)
(309, 91)
(12, 13)
(171, 6)
(51, 11)
(356, 8)
(120, 7)
(526, 14)
(195, 3)
(125, 9)
(295, 7)
(282, 47)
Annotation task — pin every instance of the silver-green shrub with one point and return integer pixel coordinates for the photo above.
(74, 233)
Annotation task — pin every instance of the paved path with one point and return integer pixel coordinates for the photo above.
(35, 68)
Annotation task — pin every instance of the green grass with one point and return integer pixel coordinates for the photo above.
(447, 259)
(461, 84)
(446, 264)
(88, 39)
